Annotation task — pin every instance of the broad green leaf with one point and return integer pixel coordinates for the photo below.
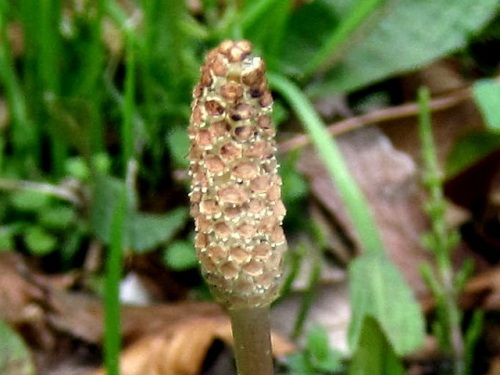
(178, 143)
(57, 217)
(143, 231)
(104, 198)
(321, 355)
(487, 96)
(374, 355)
(378, 290)
(265, 32)
(30, 200)
(146, 231)
(7, 233)
(6, 241)
(15, 358)
(299, 364)
(408, 34)
(39, 241)
(470, 149)
(180, 256)
(78, 167)
(295, 183)
(308, 29)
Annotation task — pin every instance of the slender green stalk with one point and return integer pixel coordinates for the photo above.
(112, 326)
(356, 204)
(49, 52)
(441, 241)
(128, 131)
(30, 24)
(308, 299)
(89, 85)
(23, 139)
(252, 340)
(341, 34)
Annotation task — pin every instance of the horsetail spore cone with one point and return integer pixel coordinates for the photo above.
(236, 190)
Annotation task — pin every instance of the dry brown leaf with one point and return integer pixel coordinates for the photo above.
(182, 350)
(389, 180)
(82, 316)
(495, 366)
(178, 352)
(18, 295)
(160, 339)
(483, 290)
(448, 125)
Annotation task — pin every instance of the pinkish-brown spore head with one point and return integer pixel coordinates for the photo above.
(235, 189)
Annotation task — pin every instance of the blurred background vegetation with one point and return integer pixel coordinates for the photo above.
(95, 101)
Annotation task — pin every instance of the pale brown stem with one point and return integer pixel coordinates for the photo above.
(252, 341)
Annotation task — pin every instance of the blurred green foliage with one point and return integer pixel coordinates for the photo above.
(98, 99)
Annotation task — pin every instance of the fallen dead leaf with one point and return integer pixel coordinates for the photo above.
(182, 351)
(448, 125)
(389, 180)
(167, 338)
(483, 291)
(495, 366)
(21, 300)
(17, 293)
(82, 316)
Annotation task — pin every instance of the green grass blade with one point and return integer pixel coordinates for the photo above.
(128, 110)
(353, 198)
(49, 52)
(24, 138)
(112, 328)
(89, 85)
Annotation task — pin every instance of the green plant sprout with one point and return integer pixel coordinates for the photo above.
(317, 357)
(444, 283)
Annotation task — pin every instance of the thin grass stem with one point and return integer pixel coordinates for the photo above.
(112, 326)
(49, 51)
(23, 137)
(127, 131)
(89, 87)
